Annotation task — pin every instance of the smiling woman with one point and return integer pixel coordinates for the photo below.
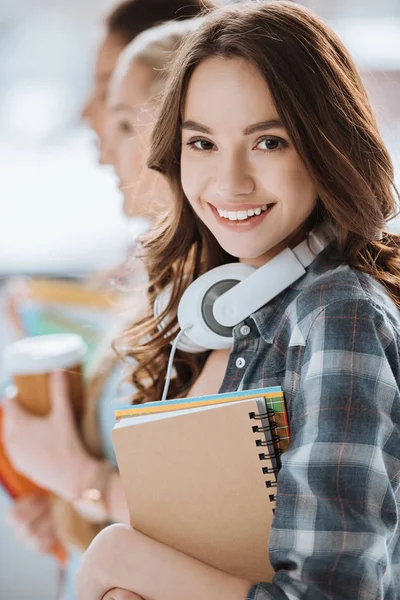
(266, 113)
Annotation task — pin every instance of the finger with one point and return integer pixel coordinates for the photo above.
(38, 534)
(28, 509)
(13, 412)
(119, 594)
(16, 425)
(43, 534)
(60, 401)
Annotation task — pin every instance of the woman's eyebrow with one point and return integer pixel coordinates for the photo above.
(261, 126)
(193, 126)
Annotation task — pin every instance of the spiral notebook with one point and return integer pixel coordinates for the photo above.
(203, 479)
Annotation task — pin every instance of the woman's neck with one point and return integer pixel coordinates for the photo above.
(289, 242)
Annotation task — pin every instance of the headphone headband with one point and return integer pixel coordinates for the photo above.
(267, 282)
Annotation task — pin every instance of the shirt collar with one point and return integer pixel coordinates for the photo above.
(268, 317)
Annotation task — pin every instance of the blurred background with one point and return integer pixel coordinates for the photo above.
(60, 213)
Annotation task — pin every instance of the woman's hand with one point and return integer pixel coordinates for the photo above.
(32, 521)
(118, 594)
(48, 450)
(123, 559)
(102, 564)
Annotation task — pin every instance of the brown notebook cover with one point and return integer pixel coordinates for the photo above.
(196, 480)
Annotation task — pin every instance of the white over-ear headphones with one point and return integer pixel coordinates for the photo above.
(220, 299)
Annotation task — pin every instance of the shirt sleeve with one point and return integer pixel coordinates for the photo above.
(336, 529)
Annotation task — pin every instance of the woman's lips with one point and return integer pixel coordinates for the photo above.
(241, 225)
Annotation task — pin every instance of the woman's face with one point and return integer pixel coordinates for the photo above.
(239, 169)
(94, 110)
(130, 115)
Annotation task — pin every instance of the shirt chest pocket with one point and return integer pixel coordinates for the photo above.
(265, 368)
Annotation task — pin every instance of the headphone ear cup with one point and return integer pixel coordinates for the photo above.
(195, 310)
(161, 302)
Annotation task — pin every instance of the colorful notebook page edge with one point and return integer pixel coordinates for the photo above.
(242, 394)
(278, 406)
(183, 403)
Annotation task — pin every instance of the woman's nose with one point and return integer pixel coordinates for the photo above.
(233, 178)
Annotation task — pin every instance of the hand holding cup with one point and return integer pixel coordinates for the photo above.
(40, 433)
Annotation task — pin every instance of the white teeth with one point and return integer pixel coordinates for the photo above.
(241, 215)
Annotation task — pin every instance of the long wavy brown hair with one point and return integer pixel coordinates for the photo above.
(324, 107)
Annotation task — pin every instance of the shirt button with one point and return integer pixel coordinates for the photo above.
(245, 330)
(240, 362)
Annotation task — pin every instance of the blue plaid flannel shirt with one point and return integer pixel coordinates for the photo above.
(332, 341)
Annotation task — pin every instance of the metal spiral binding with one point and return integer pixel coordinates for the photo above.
(270, 441)
(273, 425)
(259, 417)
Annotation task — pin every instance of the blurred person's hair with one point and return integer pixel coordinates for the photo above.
(131, 17)
(323, 105)
(156, 47)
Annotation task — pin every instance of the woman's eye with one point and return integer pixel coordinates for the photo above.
(201, 145)
(125, 127)
(270, 144)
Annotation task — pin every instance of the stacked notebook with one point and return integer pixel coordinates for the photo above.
(200, 475)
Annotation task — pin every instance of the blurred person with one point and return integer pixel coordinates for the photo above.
(122, 25)
(130, 111)
(82, 463)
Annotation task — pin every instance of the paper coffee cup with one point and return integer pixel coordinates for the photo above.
(31, 361)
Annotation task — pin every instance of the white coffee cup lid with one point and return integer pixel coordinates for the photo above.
(44, 353)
